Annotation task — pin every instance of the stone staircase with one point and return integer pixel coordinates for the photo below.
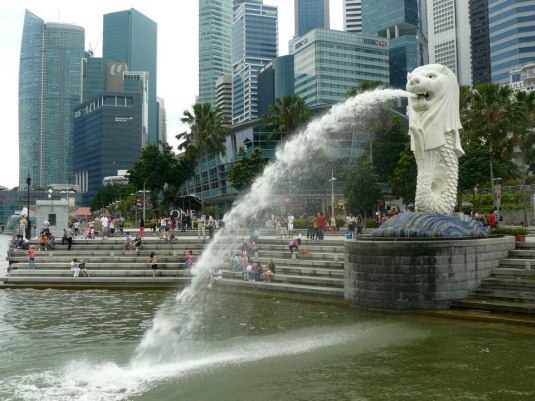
(511, 287)
(320, 272)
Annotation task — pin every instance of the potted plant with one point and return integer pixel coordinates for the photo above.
(518, 232)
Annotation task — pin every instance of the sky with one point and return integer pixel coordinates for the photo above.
(178, 25)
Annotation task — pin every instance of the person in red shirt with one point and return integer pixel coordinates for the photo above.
(492, 220)
(31, 255)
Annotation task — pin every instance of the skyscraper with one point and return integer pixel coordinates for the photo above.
(512, 36)
(449, 37)
(479, 41)
(254, 44)
(49, 89)
(131, 37)
(215, 42)
(310, 14)
(353, 16)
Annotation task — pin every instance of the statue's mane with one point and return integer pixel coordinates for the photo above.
(443, 115)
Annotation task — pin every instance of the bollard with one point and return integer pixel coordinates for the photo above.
(527, 266)
(112, 254)
(294, 255)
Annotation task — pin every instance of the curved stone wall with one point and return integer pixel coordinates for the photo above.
(418, 274)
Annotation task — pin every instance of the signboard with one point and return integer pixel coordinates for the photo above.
(376, 42)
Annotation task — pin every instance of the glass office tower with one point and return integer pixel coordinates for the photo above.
(512, 36)
(310, 14)
(254, 44)
(215, 42)
(131, 37)
(404, 23)
(49, 90)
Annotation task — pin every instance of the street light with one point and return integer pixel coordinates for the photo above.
(332, 180)
(29, 225)
(50, 191)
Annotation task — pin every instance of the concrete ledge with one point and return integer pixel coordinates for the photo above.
(418, 274)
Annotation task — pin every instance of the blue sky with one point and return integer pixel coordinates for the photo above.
(177, 53)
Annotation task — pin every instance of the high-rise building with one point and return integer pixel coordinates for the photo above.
(107, 136)
(254, 44)
(512, 36)
(523, 78)
(131, 37)
(49, 89)
(449, 37)
(275, 80)
(353, 16)
(162, 121)
(310, 14)
(404, 22)
(479, 41)
(328, 63)
(215, 42)
(223, 96)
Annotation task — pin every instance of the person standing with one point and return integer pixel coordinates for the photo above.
(310, 227)
(492, 220)
(22, 226)
(76, 227)
(68, 235)
(201, 227)
(31, 256)
(321, 225)
(142, 228)
(291, 225)
(211, 226)
(153, 260)
(104, 222)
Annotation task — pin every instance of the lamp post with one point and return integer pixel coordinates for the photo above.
(29, 225)
(332, 180)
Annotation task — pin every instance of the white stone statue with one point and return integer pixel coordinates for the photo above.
(434, 125)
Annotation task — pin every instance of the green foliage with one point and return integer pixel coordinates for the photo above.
(510, 200)
(244, 171)
(473, 166)
(403, 180)
(108, 194)
(300, 224)
(510, 231)
(361, 187)
(387, 147)
(340, 221)
(371, 223)
(212, 210)
(289, 113)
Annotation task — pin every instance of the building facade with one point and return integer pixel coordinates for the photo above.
(215, 42)
(223, 96)
(310, 14)
(523, 78)
(404, 22)
(353, 16)
(512, 36)
(479, 41)
(275, 80)
(108, 132)
(328, 63)
(448, 22)
(132, 38)
(254, 44)
(49, 89)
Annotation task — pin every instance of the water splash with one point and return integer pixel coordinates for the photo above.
(291, 161)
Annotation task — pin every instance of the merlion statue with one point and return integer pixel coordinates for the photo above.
(434, 125)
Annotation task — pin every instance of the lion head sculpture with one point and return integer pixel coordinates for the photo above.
(435, 106)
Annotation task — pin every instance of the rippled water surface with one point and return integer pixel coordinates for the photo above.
(80, 345)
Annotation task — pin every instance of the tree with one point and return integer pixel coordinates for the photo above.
(361, 188)
(244, 171)
(403, 181)
(109, 194)
(487, 117)
(388, 145)
(288, 114)
(364, 86)
(206, 135)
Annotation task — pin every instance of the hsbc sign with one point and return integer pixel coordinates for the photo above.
(376, 42)
(301, 43)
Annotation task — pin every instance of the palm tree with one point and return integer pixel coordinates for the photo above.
(288, 114)
(523, 131)
(488, 117)
(206, 135)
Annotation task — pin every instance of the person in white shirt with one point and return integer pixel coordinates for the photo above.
(290, 226)
(104, 222)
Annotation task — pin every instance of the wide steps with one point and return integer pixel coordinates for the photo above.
(522, 253)
(496, 306)
(502, 295)
(99, 273)
(517, 262)
(509, 272)
(294, 279)
(313, 290)
(509, 283)
(98, 266)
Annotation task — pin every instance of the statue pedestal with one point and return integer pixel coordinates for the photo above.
(413, 273)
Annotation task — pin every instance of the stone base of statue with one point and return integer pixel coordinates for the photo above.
(418, 272)
(410, 224)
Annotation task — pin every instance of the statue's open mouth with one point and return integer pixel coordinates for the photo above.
(423, 96)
